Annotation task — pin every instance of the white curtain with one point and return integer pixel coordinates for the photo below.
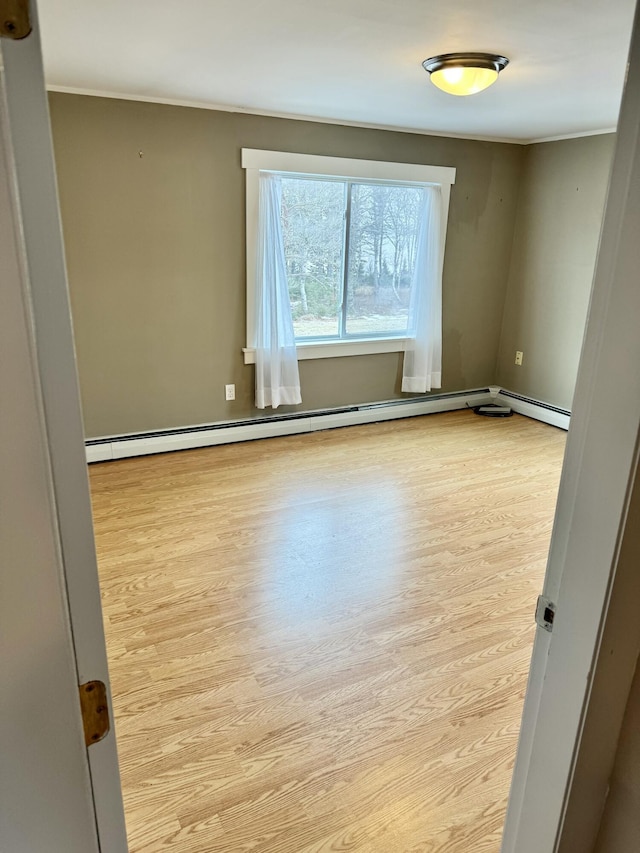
(422, 369)
(277, 377)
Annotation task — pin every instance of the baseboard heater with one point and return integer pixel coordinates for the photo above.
(541, 411)
(269, 426)
(531, 401)
(224, 432)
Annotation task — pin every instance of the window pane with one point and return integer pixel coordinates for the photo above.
(382, 254)
(313, 229)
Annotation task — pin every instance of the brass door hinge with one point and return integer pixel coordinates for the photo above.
(15, 20)
(95, 711)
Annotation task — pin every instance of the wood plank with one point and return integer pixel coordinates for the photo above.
(321, 642)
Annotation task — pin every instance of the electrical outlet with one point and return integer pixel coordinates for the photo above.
(230, 392)
(518, 358)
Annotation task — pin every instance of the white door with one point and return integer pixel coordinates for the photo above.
(56, 795)
(583, 574)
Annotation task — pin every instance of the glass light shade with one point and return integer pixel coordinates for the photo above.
(457, 80)
(464, 73)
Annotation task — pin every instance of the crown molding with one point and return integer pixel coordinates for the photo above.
(561, 137)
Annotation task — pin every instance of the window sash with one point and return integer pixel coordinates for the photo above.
(343, 305)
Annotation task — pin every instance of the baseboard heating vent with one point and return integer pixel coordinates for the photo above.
(533, 402)
(290, 423)
(541, 411)
(452, 395)
(245, 422)
(275, 419)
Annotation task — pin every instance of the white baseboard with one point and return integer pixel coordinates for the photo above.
(119, 447)
(536, 409)
(98, 452)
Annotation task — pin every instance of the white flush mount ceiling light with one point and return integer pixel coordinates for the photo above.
(464, 73)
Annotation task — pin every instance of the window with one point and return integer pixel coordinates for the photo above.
(350, 233)
(350, 251)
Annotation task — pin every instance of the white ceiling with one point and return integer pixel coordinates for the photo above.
(352, 61)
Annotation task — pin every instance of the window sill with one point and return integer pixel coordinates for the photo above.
(338, 349)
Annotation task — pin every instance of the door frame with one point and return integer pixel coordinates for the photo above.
(42, 284)
(581, 673)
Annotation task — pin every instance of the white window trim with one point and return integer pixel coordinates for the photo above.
(338, 349)
(254, 161)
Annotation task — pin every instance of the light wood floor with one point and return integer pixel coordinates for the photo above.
(321, 642)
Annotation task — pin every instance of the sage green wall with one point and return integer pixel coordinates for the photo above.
(156, 258)
(562, 196)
